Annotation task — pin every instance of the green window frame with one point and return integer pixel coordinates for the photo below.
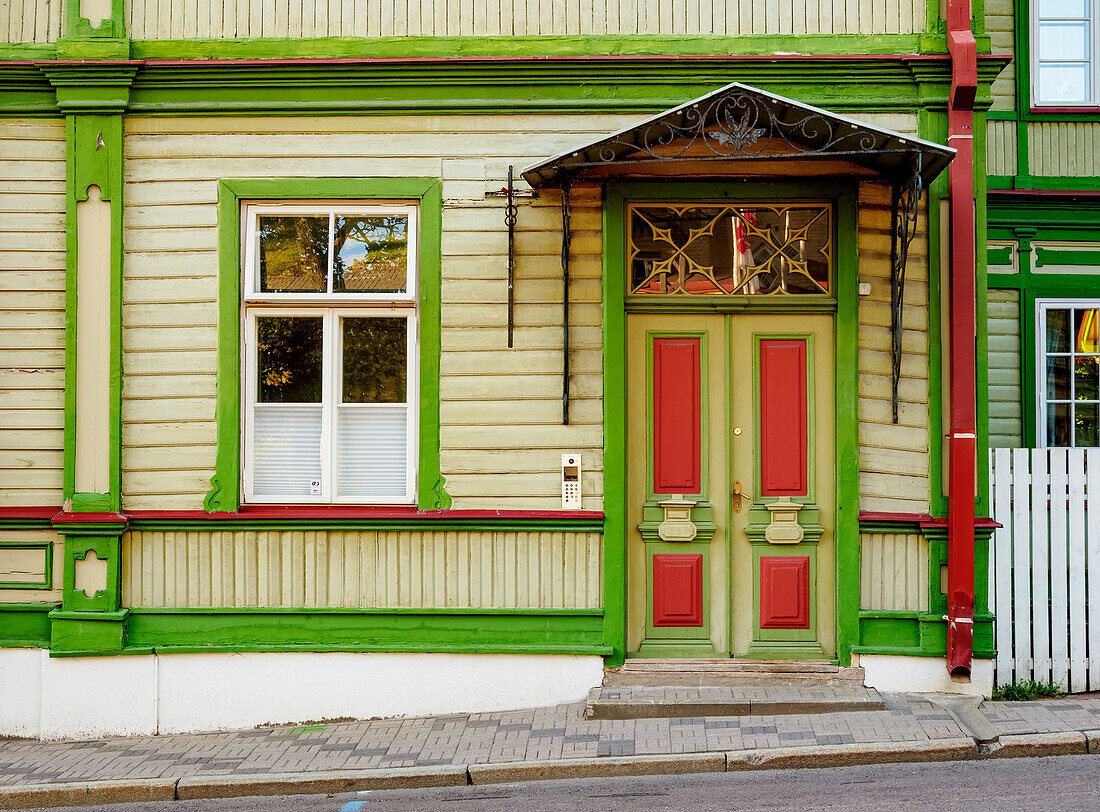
(426, 193)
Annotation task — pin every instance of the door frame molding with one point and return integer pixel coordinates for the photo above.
(844, 195)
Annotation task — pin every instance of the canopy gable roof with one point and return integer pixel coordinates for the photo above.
(737, 123)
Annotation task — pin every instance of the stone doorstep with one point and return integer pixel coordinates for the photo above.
(733, 672)
(681, 702)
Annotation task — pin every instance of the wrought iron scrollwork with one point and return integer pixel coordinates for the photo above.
(510, 213)
(742, 125)
(905, 203)
(565, 240)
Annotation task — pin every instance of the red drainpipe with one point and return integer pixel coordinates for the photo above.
(963, 439)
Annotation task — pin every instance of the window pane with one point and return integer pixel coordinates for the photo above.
(1085, 331)
(371, 253)
(371, 448)
(1085, 378)
(1084, 419)
(1064, 83)
(375, 360)
(286, 451)
(1063, 8)
(1064, 42)
(1058, 429)
(1057, 331)
(714, 250)
(1058, 377)
(288, 359)
(293, 254)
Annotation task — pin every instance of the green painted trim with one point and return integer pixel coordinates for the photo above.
(846, 432)
(94, 156)
(614, 426)
(426, 630)
(933, 126)
(981, 497)
(526, 46)
(340, 610)
(25, 624)
(321, 523)
(917, 635)
(47, 551)
(999, 256)
(79, 27)
(225, 492)
(1050, 256)
(730, 304)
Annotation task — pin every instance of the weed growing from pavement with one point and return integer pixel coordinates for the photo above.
(1026, 690)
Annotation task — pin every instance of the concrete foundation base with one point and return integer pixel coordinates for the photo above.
(899, 674)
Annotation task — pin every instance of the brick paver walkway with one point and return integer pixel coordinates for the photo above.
(541, 733)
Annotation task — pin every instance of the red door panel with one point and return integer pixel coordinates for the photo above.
(783, 429)
(785, 592)
(676, 416)
(677, 590)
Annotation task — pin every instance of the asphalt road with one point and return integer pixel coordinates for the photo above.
(1060, 783)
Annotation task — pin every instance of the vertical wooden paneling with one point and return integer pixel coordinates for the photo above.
(893, 573)
(783, 425)
(1064, 148)
(1000, 156)
(363, 569)
(893, 458)
(32, 310)
(146, 19)
(1005, 394)
(677, 416)
(30, 20)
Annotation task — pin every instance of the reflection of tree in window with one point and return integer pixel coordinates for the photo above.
(370, 253)
(293, 254)
(375, 360)
(289, 358)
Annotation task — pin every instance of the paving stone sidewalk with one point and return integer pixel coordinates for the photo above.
(542, 733)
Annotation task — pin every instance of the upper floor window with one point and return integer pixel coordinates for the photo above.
(1069, 373)
(1064, 46)
(330, 361)
(706, 249)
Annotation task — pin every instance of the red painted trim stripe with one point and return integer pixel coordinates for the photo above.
(37, 512)
(784, 442)
(677, 416)
(256, 512)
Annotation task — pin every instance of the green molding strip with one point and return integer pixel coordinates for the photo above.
(47, 552)
(25, 624)
(1050, 256)
(224, 495)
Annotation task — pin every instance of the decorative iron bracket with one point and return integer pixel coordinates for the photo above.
(511, 211)
(565, 300)
(905, 202)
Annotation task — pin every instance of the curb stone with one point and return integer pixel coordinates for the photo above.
(316, 783)
(847, 755)
(600, 767)
(82, 793)
(1024, 745)
(1092, 740)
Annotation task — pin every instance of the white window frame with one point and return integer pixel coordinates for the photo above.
(1041, 308)
(330, 307)
(1093, 59)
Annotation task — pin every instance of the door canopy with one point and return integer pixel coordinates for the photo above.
(741, 123)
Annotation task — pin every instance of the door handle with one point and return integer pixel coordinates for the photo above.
(738, 495)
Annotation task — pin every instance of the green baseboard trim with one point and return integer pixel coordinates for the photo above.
(26, 625)
(916, 634)
(419, 630)
(597, 651)
(97, 632)
(338, 610)
(784, 651)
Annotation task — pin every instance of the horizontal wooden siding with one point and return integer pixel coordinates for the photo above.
(1005, 394)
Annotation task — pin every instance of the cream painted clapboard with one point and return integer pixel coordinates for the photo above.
(1064, 148)
(363, 569)
(31, 20)
(156, 19)
(1005, 393)
(893, 459)
(893, 572)
(1000, 27)
(26, 566)
(1000, 144)
(32, 310)
(502, 437)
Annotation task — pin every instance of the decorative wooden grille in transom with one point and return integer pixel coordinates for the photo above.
(702, 249)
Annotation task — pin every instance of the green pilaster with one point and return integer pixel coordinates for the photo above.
(93, 39)
(93, 97)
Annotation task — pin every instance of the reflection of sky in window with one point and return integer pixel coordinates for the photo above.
(370, 234)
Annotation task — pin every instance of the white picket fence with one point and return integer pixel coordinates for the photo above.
(1044, 566)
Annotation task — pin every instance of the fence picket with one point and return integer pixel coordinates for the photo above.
(1058, 462)
(1002, 541)
(1040, 568)
(1078, 673)
(1092, 567)
(1021, 563)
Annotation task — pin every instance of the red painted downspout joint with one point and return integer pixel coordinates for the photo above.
(963, 439)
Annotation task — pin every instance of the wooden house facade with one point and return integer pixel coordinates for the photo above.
(365, 359)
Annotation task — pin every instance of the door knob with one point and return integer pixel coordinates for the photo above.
(738, 495)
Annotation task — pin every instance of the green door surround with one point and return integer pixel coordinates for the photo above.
(616, 198)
